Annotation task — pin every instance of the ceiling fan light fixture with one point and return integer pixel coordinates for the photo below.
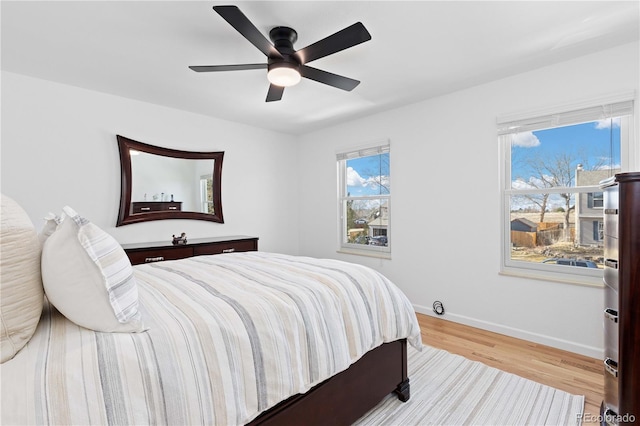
(284, 75)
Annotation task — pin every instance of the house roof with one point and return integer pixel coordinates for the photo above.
(526, 222)
(418, 50)
(593, 177)
(549, 217)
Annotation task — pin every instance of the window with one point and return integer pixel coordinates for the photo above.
(598, 230)
(206, 193)
(551, 199)
(596, 200)
(364, 200)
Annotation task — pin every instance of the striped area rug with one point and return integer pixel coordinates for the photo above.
(448, 389)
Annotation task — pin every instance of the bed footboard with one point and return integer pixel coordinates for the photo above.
(347, 396)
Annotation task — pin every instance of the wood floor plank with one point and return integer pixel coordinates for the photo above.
(567, 371)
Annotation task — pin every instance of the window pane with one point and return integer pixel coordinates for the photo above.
(555, 157)
(368, 175)
(367, 222)
(558, 234)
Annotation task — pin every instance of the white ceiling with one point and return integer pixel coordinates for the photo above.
(419, 49)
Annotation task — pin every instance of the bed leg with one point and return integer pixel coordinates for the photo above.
(403, 390)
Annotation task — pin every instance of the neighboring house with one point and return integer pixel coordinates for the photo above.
(523, 225)
(378, 226)
(589, 223)
(524, 232)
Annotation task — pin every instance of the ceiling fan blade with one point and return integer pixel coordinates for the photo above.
(274, 93)
(348, 37)
(335, 80)
(241, 23)
(209, 68)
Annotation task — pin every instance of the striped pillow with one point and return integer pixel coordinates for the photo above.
(88, 277)
(113, 263)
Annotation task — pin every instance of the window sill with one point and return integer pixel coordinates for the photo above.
(573, 279)
(367, 253)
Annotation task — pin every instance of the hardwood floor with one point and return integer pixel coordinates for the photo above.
(567, 371)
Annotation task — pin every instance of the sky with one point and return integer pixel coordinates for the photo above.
(592, 144)
(364, 173)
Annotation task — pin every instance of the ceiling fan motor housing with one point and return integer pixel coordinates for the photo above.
(283, 39)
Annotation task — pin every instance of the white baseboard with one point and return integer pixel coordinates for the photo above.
(566, 345)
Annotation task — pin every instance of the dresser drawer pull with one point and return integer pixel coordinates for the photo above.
(611, 314)
(611, 263)
(611, 366)
(229, 250)
(173, 208)
(610, 211)
(145, 209)
(153, 259)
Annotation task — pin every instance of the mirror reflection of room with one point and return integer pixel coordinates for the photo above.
(168, 183)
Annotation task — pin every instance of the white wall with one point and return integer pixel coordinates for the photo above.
(59, 148)
(446, 206)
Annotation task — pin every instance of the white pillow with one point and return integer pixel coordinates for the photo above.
(21, 294)
(51, 222)
(88, 277)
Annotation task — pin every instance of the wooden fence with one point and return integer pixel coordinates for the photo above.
(548, 233)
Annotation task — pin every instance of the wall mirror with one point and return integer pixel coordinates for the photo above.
(163, 183)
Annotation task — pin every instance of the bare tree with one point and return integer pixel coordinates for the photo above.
(553, 172)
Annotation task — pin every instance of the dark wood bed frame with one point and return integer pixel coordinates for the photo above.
(345, 397)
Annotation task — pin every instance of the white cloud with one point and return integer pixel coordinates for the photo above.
(606, 166)
(608, 123)
(354, 178)
(377, 181)
(532, 183)
(525, 140)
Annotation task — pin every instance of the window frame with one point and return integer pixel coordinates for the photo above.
(342, 156)
(549, 272)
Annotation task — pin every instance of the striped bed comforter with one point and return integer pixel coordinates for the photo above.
(229, 337)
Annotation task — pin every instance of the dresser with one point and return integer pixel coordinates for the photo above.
(155, 206)
(621, 403)
(159, 251)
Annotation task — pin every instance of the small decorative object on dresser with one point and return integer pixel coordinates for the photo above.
(159, 251)
(622, 299)
(181, 240)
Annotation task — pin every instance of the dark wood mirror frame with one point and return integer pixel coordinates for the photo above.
(125, 217)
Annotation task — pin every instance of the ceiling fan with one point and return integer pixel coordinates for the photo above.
(286, 66)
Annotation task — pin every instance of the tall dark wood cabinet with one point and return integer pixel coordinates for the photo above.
(622, 299)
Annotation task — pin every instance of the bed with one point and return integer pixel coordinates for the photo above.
(254, 337)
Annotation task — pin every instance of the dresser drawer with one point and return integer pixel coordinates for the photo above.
(611, 322)
(225, 247)
(611, 212)
(611, 397)
(155, 206)
(611, 222)
(159, 254)
(611, 275)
